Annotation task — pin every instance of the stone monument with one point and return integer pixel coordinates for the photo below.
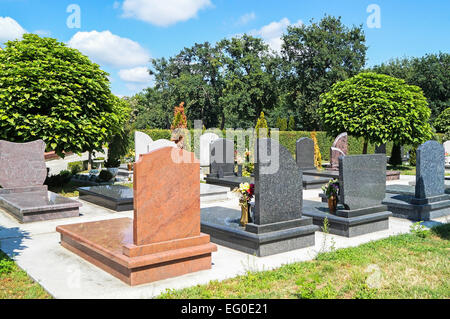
(429, 199)
(141, 143)
(339, 148)
(205, 147)
(163, 240)
(362, 183)
(278, 225)
(22, 177)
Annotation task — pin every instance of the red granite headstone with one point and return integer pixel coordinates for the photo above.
(339, 147)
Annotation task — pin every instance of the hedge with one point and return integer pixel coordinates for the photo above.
(289, 138)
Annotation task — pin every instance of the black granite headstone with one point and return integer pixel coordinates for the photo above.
(380, 149)
(305, 153)
(222, 157)
(362, 180)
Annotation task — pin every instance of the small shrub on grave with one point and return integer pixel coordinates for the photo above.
(75, 167)
(105, 176)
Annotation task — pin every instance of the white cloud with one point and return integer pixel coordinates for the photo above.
(163, 12)
(135, 75)
(246, 18)
(272, 32)
(110, 49)
(10, 29)
(43, 33)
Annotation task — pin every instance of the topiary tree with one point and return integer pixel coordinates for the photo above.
(262, 124)
(442, 122)
(378, 108)
(291, 126)
(51, 92)
(284, 124)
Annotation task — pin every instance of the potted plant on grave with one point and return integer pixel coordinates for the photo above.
(246, 192)
(331, 191)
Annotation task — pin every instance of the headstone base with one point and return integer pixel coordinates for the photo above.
(222, 224)
(348, 223)
(403, 205)
(39, 205)
(108, 245)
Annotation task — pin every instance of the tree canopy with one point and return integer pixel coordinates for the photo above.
(378, 108)
(51, 92)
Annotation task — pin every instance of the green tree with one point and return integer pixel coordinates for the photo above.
(442, 123)
(430, 72)
(284, 125)
(291, 125)
(261, 124)
(51, 92)
(378, 108)
(315, 57)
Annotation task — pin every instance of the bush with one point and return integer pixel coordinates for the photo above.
(58, 180)
(105, 176)
(75, 167)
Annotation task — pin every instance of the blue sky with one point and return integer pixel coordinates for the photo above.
(122, 35)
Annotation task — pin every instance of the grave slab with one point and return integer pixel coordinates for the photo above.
(163, 240)
(362, 187)
(115, 197)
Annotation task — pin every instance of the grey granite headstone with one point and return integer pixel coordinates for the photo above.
(278, 196)
(205, 147)
(222, 157)
(22, 164)
(305, 153)
(362, 180)
(430, 170)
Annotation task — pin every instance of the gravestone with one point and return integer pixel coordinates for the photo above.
(163, 240)
(160, 144)
(339, 147)
(141, 143)
(222, 158)
(335, 153)
(305, 154)
(22, 175)
(278, 224)
(429, 199)
(205, 147)
(362, 187)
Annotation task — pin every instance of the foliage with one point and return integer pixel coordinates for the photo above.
(430, 72)
(179, 118)
(60, 179)
(291, 125)
(442, 123)
(419, 230)
(262, 124)
(331, 188)
(52, 92)
(317, 154)
(315, 57)
(378, 108)
(75, 167)
(412, 156)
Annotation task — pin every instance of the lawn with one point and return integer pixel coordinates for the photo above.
(15, 283)
(404, 266)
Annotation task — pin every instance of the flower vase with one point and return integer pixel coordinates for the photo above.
(332, 204)
(130, 167)
(245, 212)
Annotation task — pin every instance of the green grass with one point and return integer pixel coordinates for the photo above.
(409, 266)
(15, 283)
(66, 190)
(404, 169)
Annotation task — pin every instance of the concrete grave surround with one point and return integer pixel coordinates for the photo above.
(163, 240)
(22, 164)
(141, 143)
(22, 175)
(304, 153)
(278, 224)
(222, 158)
(429, 199)
(205, 147)
(362, 187)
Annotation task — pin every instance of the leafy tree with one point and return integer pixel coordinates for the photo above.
(291, 125)
(261, 124)
(430, 72)
(51, 92)
(378, 108)
(442, 123)
(179, 119)
(315, 57)
(283, 126)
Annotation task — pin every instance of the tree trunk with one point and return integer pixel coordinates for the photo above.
(90, 161)
(365, 146)
(396, 155)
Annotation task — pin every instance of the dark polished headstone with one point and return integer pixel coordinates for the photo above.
(380, 149)
(429, 199)
(304, 154)
(114, 197)
(362, 180)
(362, 187)
(278, 224)
(222, 158)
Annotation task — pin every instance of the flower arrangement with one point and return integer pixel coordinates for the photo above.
(246, 192)
(331, 188)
